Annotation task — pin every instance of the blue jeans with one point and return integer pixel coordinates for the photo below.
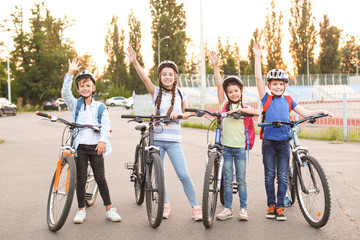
(276, 157)
(176, 155)
(236, 155)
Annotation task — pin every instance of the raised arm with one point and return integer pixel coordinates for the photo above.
(140, 71)
(258, 75)
(66, 92)
(215, 62)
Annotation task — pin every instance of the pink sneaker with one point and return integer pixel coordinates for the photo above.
(197, 213)
(167, 209)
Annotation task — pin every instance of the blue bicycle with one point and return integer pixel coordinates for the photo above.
(214, 164)
(306, 177)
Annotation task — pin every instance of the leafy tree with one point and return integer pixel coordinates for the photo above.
(330, 56)
(136, 84)
(349, 51)
(116, 71)
(39, 55)
(303, 33)
(249, 70)
(273, 39)
(168, 19)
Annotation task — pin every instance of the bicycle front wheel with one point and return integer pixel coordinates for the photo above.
(91, 188)
(209, 198)
(290, 193)
(139, 183)
(61, 196)
(155, 190)
(314, 199)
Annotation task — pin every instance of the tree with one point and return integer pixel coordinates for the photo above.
(168, 19)
(39, 56)
(330, 56)
(303, 33)
(116, 71)
(136, 84)
(349, 52)
(249, 70)
(273, 39)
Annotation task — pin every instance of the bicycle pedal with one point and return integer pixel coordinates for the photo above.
(132, 178)
(129, 166)
(88, 196)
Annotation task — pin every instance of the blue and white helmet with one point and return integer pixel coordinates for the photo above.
(277, 74)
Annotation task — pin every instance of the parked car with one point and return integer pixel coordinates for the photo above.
(118, 101)
(6, 107)
(129, 103)
(54, 104)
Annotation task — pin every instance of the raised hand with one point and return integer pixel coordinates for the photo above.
(214, 58)
(131, 54)
(257, 49)
(73, 66)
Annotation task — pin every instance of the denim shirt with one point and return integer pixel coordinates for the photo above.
(71, 102)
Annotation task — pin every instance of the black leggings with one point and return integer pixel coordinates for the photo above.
(87, 153)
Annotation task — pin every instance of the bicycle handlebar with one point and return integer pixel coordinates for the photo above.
(139, 118)
(71, 124)
(201, 112)
(279, 124)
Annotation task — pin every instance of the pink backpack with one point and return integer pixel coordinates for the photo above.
(249, 130)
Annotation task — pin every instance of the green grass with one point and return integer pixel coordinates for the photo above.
(2, 141)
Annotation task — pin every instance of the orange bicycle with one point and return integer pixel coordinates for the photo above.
(63, 184)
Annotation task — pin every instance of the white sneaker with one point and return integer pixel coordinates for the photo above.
(243, 216)
(227, 213)
(112, 215)
(80, 216)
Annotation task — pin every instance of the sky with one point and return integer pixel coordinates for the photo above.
(236, 19)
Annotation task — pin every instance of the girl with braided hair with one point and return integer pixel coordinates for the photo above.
(168, 100)
(233, 140)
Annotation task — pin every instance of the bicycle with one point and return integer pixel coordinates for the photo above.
(63, 183)
(214, 164)
(306, 177)
(147, 170)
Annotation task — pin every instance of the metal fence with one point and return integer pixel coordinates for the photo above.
(341, 98)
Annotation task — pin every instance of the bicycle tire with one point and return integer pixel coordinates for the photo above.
(222, 199)
(290, 192)
(59, 202)
(315, 206)
(209, 198)
(155, 186)
(139, 183)
(91, 188)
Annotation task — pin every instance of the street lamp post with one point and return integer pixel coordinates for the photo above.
(159, 47)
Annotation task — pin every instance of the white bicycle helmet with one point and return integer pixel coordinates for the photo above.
(84, 74)
(167, 63)
(277, 74)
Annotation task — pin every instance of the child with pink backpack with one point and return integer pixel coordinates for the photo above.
(234, 139)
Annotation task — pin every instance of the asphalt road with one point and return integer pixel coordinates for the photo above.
(28, 158)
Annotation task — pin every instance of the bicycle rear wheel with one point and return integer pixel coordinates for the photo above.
(209, 198)
(138, 171)
(60, 199)
(314, 200)
(91, 188)
(155, 190)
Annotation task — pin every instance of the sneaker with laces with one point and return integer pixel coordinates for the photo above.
(167, 209)
(112, 215)
(280, 216)
(196, 213)
(271, 212)
(227, 213)
(243, 216)
(80, 216)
